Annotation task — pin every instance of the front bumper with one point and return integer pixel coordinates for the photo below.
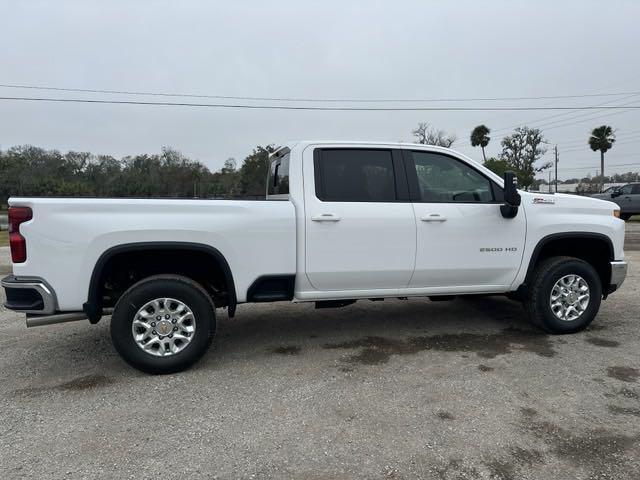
(29, 295)
(618, 274)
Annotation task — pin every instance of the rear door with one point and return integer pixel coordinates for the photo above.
(462, 238)
(360, 227)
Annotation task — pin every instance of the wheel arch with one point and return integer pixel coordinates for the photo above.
(590, 248)
(93, 307)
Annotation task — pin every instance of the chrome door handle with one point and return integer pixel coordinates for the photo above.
(434, 217)
(325, 217)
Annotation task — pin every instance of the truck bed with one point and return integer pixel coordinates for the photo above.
(67, 236)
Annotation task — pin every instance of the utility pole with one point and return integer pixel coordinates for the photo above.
(549, 184)
(556, 182)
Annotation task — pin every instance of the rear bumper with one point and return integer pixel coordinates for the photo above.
(618, 274)
(29, 295)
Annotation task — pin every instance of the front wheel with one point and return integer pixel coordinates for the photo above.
(163, 324)
(564, 295)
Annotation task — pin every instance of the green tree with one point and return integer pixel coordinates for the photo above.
(225, 182)
(497, 165)
(522, 150)
(253, 172)
(602, 139)
(480, 137)
(32, 171)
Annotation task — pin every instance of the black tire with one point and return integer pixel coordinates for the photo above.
(546, 274)
(625, 216)
(176, 287)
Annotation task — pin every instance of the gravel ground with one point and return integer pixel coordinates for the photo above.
(5, 261)
(395, 389)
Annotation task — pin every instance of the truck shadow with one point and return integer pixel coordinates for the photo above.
(367, 333)
(371, 333)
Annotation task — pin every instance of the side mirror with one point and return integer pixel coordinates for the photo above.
(616, 193)
(511, 196)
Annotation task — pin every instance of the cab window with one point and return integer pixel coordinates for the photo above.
(442, 178)
(355, 175)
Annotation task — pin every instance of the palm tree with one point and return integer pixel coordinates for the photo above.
(480, 136)
(602, 139)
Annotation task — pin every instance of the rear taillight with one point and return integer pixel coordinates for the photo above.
(17, 216)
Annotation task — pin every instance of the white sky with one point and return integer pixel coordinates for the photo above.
(329, 49)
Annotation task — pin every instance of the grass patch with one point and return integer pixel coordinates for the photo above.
(4, 238)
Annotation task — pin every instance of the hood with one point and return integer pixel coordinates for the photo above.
(569, 201)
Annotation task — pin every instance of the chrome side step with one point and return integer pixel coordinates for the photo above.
(40, 321)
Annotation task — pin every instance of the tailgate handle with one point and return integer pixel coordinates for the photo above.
(434, 217)
(325, 217)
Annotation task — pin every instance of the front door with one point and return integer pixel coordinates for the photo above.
(462, 239)
(629, 199)
(360, 226)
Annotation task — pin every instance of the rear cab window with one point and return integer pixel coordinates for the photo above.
(278, 176)
(356, 175)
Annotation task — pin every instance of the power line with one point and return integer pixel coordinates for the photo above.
(569, 115)
(536, 123)
(297, 99)
(584, 142)
(586, 147)
(594, 168)
(586, 115)
(313, 108)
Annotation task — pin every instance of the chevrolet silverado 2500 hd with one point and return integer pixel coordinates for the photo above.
(342, 221)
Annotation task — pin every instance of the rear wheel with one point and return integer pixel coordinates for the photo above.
(163, 324)
(564, 295)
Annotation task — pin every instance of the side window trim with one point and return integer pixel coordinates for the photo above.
(401, 183)
(414, 186)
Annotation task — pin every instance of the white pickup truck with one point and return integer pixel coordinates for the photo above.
(342, 221)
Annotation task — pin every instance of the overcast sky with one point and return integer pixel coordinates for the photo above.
(331, 49)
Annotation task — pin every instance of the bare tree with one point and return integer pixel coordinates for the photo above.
(521, 150)
(427, 135)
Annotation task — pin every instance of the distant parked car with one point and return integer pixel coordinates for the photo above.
(627, 196)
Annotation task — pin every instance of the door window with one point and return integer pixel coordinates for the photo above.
(355, 175)
(626, 190)
(444, 179)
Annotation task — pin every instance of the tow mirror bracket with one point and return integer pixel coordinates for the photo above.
(512, 198)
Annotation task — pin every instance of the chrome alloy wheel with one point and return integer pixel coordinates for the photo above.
(163, 327)
(569, 297)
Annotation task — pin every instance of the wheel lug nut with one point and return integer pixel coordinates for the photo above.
(153, 324)
(161, 337)
(171, 335)
(174, 321)
(167, 317)
(175, 329)
(158, 317)
(154, 332)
